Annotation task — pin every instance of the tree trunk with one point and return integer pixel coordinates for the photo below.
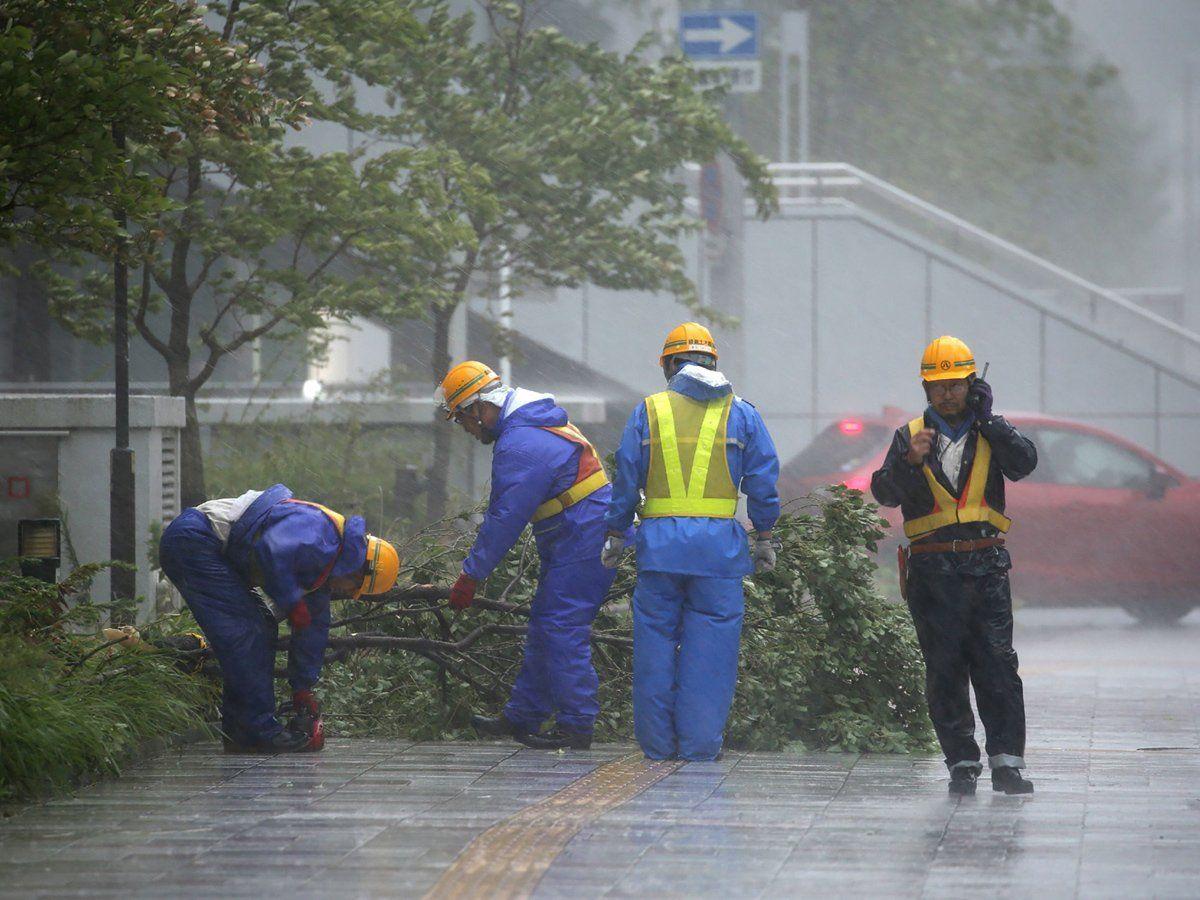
(191, 458)
(31, 322)
(439, 472)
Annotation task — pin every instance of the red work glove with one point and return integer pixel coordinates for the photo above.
(463, 591)
(299, 616)
(305, 701)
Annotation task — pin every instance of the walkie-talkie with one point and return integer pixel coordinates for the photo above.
(971, 400)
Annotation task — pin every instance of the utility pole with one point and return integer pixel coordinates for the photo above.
(506, 317)
(121, 486)
(1191, 217)
(793, 50)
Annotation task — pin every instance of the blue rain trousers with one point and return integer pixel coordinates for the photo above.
(293, 547)
(686, 630)
(557, 677)
(529, 466)
(237, 626)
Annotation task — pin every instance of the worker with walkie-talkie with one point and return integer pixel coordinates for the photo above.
(945, 470)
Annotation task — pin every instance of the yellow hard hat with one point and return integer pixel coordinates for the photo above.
(462, 384)
(690, 337)
(383, 567)
(946, 358)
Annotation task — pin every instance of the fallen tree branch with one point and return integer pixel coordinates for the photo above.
(392, 642)
(452, 668)
(373, 614)
(79, 662)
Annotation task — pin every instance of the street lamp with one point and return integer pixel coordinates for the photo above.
(39, 544)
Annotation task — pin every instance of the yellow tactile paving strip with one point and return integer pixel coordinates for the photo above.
(510, 858)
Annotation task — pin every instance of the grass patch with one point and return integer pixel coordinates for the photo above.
(70, 708)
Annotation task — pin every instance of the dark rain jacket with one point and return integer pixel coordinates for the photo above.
(897, 483)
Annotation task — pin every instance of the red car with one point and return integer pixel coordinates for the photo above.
(1099, 522)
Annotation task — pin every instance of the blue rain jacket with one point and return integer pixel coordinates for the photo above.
(283, 548)
(694, 545)
(529, 467)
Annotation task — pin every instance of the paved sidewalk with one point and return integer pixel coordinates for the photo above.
(382, 818)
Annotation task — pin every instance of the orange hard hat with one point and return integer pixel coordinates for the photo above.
(690, 337)
(461, 385)
(945, 358)
(382, 570)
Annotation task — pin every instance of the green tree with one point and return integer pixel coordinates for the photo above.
(978, 106)
(71, 71)
(265, 238)
(992, 109)
(576, 154)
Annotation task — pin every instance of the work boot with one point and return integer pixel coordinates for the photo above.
(962, 781)
(287, 741)
(557, 739)
(1009, 780)
(495, 726)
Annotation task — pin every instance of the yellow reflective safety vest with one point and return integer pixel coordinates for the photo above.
(689, 471)
(589, 479)
(969, 506)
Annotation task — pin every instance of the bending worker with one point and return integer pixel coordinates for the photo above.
(946, 471)
(546, 473)
(301, 555)
(689, 449)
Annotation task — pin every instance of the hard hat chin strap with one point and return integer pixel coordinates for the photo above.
(487, 433)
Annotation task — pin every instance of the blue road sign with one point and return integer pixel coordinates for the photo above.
(719, 35)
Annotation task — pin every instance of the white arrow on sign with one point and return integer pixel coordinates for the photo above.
(728, 32)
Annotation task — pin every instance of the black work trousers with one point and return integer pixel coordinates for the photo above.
(964, 624)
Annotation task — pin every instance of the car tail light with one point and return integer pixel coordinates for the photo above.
(850, 426)
(858, 483)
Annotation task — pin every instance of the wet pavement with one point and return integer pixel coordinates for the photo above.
(1114, 751)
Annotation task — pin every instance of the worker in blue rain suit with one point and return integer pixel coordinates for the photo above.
(546, 473)
(946, 470)
(245, 563)
(688, 450)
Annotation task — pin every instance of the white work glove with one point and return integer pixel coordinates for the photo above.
(764, 555)
(610, 556)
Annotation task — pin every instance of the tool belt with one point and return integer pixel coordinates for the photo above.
(903, 553)
(955, 546)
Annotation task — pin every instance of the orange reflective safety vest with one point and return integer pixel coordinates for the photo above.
(589, 479)
(969, 506)
(339, 522)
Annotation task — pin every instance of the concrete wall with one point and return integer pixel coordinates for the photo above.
(846, 302)
(84, 425)
(838, 306)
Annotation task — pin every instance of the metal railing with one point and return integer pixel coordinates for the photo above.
(813, 184)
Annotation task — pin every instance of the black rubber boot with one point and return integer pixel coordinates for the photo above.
(1009, 780)
(556, 739)
(495, 726)
(962, 782)
(287, 741)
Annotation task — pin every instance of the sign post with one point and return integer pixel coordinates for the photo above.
(723, 47)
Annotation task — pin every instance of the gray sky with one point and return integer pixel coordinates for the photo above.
(1151, 42)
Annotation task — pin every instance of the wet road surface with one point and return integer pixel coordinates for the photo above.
(1114, 751)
